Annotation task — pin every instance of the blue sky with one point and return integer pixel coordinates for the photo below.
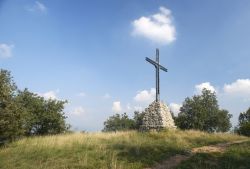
(92, 53)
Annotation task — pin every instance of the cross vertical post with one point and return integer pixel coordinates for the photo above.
(157, 77)
(157, 65)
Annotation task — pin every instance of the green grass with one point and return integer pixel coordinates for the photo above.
(235, 157)
(121, 150)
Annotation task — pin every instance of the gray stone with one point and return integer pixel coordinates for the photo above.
(157, 116)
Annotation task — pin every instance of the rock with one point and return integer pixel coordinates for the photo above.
(157, 116)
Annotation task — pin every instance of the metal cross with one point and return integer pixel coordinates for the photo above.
(157, 65)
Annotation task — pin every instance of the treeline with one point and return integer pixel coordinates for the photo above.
(200, 112)
(23, 113)
(119, 122)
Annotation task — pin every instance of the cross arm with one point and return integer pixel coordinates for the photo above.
(156, 64)
(163, 68)
(151, 61)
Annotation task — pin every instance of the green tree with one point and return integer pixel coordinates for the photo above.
(119, 122)
(42, 116)
(244, 123)
(138, 119)
(10, 111)
(25, 113)
(223, 121)
(202, 112)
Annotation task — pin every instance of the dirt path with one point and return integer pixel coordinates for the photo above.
(177, 159)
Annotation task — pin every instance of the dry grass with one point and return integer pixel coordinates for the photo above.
(104, 150)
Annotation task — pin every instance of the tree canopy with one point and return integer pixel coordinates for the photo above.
(119, 122)
(41, 116)
(10, 111)
(244, 123)
(26, 113)
(122, 122)
(202, 112)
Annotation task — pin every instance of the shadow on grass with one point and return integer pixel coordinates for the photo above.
(145, 154)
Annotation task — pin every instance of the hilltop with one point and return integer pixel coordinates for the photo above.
(124, 150)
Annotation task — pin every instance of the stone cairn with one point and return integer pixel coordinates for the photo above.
(157, 116)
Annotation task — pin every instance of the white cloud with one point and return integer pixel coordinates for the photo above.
(205, 85)
(50, 94)
(116, 107)
(78, 111)
(145, 96)
(235, 97)
(5, 50)
(175, 108)
(106, 96)
(82, 94)
(158, 27)
(38, 7)
(239, 87)
(128, 107)
(138, 108)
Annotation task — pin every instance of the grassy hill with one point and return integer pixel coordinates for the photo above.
(121, 150)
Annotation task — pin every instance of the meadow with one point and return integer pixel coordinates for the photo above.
(120, 150)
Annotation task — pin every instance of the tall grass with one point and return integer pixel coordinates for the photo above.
(121, 150)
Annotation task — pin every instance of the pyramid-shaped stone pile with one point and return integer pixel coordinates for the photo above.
(157, 116)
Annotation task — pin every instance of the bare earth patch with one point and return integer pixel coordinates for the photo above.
(177, 159)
